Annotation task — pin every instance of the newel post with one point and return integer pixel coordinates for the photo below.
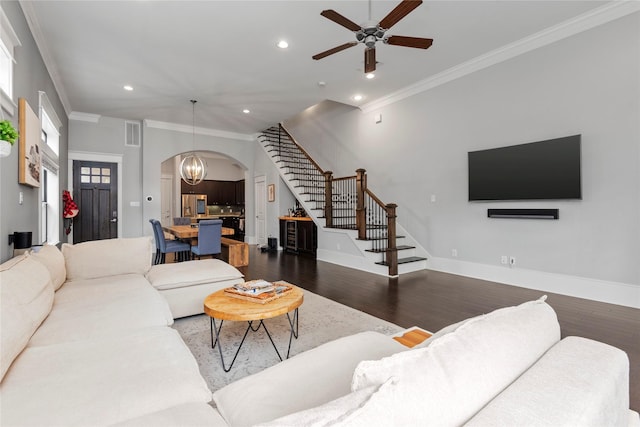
(361, 214)
(392, 251)
(328, 198)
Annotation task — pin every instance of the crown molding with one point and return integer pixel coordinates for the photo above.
(84, 117)
(198, 130)
(47, 58)
(586, 21)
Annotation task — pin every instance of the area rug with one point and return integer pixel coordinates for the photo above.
(320, 320)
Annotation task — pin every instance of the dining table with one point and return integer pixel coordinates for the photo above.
(185, 232)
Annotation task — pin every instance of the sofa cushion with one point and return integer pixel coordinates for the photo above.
(191, 273)
(26, 297)
(51, 257)
(102, 307)
(109, 257)
(578, 382)
(449, 381)
(309, 379)
(101, 381)
(188, 414)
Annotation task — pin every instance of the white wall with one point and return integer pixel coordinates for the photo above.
(587, 84)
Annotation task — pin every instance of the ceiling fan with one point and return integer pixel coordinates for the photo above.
(371, 32)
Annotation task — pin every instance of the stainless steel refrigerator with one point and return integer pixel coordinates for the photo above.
(194, 205)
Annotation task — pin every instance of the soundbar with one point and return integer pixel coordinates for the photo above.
(524, 213)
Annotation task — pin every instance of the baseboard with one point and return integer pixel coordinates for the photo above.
(351, 261)
(581, 287)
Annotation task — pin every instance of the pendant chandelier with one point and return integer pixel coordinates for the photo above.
(192, 168)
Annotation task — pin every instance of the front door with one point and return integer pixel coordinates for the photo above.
(95, 186)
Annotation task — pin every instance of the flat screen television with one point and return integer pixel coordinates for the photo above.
(544, 170)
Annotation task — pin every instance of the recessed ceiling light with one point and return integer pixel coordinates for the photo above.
(246, 111)
(370, 75)
(128, 87)
(282, 44)
(357, 97)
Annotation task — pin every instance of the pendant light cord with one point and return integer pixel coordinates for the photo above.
(193, 124)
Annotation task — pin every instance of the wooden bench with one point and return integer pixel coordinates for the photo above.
(235, 252)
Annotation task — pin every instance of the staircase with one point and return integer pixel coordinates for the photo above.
(343, 203)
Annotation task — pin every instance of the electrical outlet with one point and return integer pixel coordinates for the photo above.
(454, 253)
(512, 261)
(504, 260)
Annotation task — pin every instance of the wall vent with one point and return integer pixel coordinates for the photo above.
(132, 134)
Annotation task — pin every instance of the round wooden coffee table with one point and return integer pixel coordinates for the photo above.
(219, 305)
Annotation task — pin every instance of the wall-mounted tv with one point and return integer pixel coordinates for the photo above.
(542, 170)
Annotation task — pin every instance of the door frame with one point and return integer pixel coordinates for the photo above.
(96, 157)
(256, 180)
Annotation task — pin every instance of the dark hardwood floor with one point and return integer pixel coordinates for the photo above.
(432, 300)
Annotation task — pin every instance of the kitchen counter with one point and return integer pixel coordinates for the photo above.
(296, 218)
(217, 216)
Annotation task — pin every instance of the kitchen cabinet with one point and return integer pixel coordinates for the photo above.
(218, 192)
(299, 235)
(239, 192)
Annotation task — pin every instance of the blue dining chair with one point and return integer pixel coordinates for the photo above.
(181, 220)
(163, 246)
(209, 238)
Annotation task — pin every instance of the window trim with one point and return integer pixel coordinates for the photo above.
(10, 41)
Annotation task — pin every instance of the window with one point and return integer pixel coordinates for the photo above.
(50, 194)
(8, 42)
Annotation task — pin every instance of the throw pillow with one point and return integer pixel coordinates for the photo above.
(449, 381)
(51, 257)
(337, 411)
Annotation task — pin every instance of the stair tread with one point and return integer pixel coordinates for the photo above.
(404, 260)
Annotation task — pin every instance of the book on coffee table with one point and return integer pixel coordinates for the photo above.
(257, 291)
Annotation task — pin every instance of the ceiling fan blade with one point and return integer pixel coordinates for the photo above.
(340, 20)
(334, 50)
(400, 11)
(369, 60)
(417, 42)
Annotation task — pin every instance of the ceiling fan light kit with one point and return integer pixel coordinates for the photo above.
(370, 33)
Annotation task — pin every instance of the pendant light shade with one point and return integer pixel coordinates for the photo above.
(192, 167)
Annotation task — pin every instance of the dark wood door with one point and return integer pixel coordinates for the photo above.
(95, 186)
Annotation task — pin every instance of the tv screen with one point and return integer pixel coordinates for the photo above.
(542, 170)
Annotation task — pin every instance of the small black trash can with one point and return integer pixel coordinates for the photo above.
(272, 243)
(21, 240)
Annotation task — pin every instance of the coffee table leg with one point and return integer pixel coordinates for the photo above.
(293, 324)
(292, 334)
(217, 331)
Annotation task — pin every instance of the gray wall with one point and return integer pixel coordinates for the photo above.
(159, 145)
(107, 136)
(30, 76)
(587, 84)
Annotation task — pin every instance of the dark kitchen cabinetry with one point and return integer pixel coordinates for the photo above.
(298, 235)
(237, 224)
(218, 192)
(240, 192)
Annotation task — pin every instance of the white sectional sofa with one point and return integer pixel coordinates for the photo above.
(85, 341)
(506, 368)
(85, 337)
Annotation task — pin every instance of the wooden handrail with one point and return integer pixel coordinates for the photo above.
(313, 162)
(375, 198)
(344, 178)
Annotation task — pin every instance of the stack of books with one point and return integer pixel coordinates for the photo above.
(258, 290)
